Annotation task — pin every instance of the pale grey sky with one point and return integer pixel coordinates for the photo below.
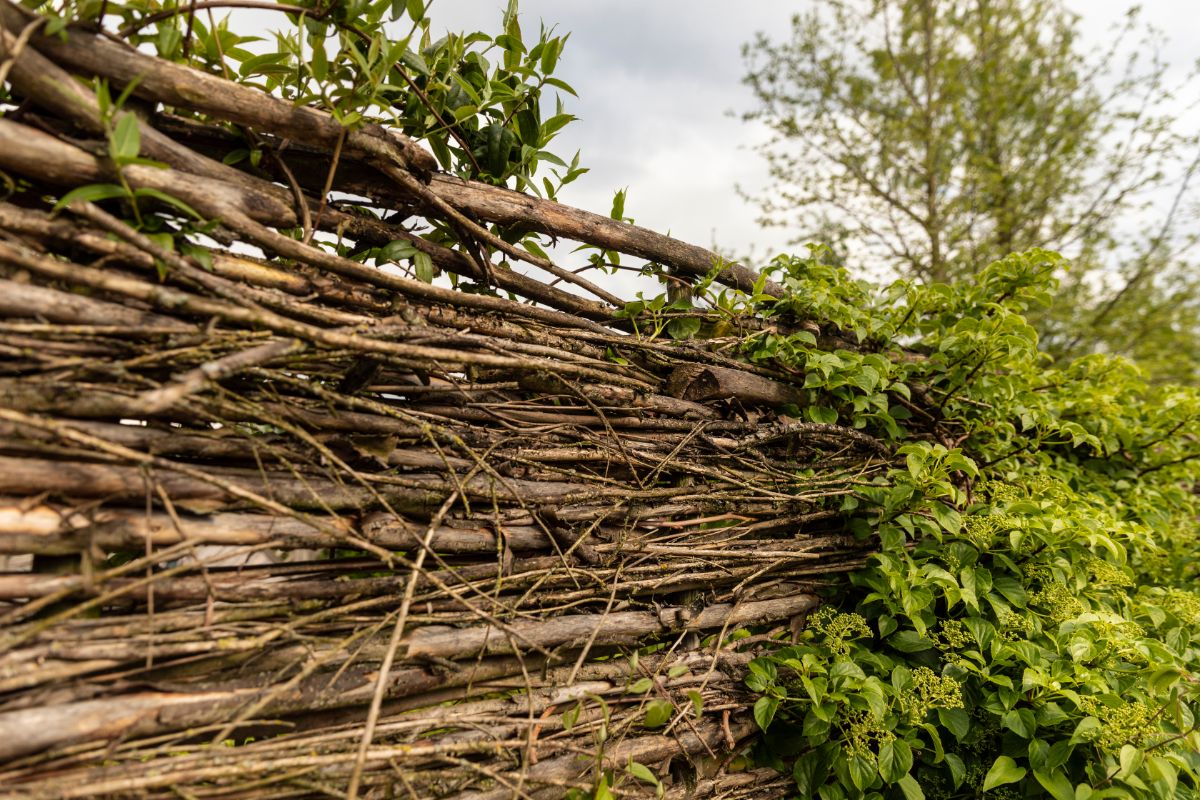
(656, 79)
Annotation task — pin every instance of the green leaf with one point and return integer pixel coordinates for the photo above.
(947, 517)
(642, 773)
(955, 720)
(822, 414)
(1131, 759)
(865, 378)
(909, 642)
(163, 197)
(1163, 771)
(641, 686)
(618, 205)
(550, 55)
(958, 770)
(862, 771)
(92, 193)
(1004, 771)
(1020, 721)
(843, 668)
(658, 713)
(912, 790)
(498, 141)
(423, 266)
(560, 84)
(764, 711)
(895, 760)
(810, 772)
(1056, 783)
(1012, 590)
(571, 716)
(684, 327)
(815, 728)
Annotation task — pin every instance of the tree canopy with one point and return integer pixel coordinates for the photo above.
(932, 137)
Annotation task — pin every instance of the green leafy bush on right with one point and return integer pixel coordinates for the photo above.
(1030, 623)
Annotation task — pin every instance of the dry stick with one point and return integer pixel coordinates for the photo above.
(333, 165)
(225, 766)
(200, 5)
(504, 206)
(422, 192)
(195, 380)
(136, 26)
(362, 229)
(179, 529)
(575, 388)
(33, 629)
(306, 220)
(460, 492)
(32, 607)
(410, 589)
(185, 87)
(18, 46)
(309, 668)
(187, 267)
(149, 550)
(174, 299)
(35, 154)
(587, 646)
(71, 434)
(48, 85)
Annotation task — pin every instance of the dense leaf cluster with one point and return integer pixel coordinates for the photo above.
(1030, 625)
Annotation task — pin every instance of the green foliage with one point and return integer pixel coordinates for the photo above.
(931, 138)
(1029, 624)
(487, 106)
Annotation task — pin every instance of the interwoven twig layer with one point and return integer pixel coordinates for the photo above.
(287, 525)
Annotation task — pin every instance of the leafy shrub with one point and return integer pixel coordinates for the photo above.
(1030, 624)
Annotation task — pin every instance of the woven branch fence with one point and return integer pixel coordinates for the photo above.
(276, 523)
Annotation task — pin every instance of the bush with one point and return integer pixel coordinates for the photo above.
(1030, 625)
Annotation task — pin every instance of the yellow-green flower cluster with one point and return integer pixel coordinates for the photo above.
(1184, 605)
(1058, 601)
(980, 529)
(837, 628)
(953, 636)
(863, 734)
(930, 691)
(1105, 572)
(1000, 491)
(1013, 626)
(1037, 573)
(1130, 723)
(1047, 488)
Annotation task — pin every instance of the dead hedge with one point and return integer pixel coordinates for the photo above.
(280, 524)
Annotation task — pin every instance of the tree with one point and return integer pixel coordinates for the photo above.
(935, 136)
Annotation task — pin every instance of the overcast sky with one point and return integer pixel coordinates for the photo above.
(656, 80)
